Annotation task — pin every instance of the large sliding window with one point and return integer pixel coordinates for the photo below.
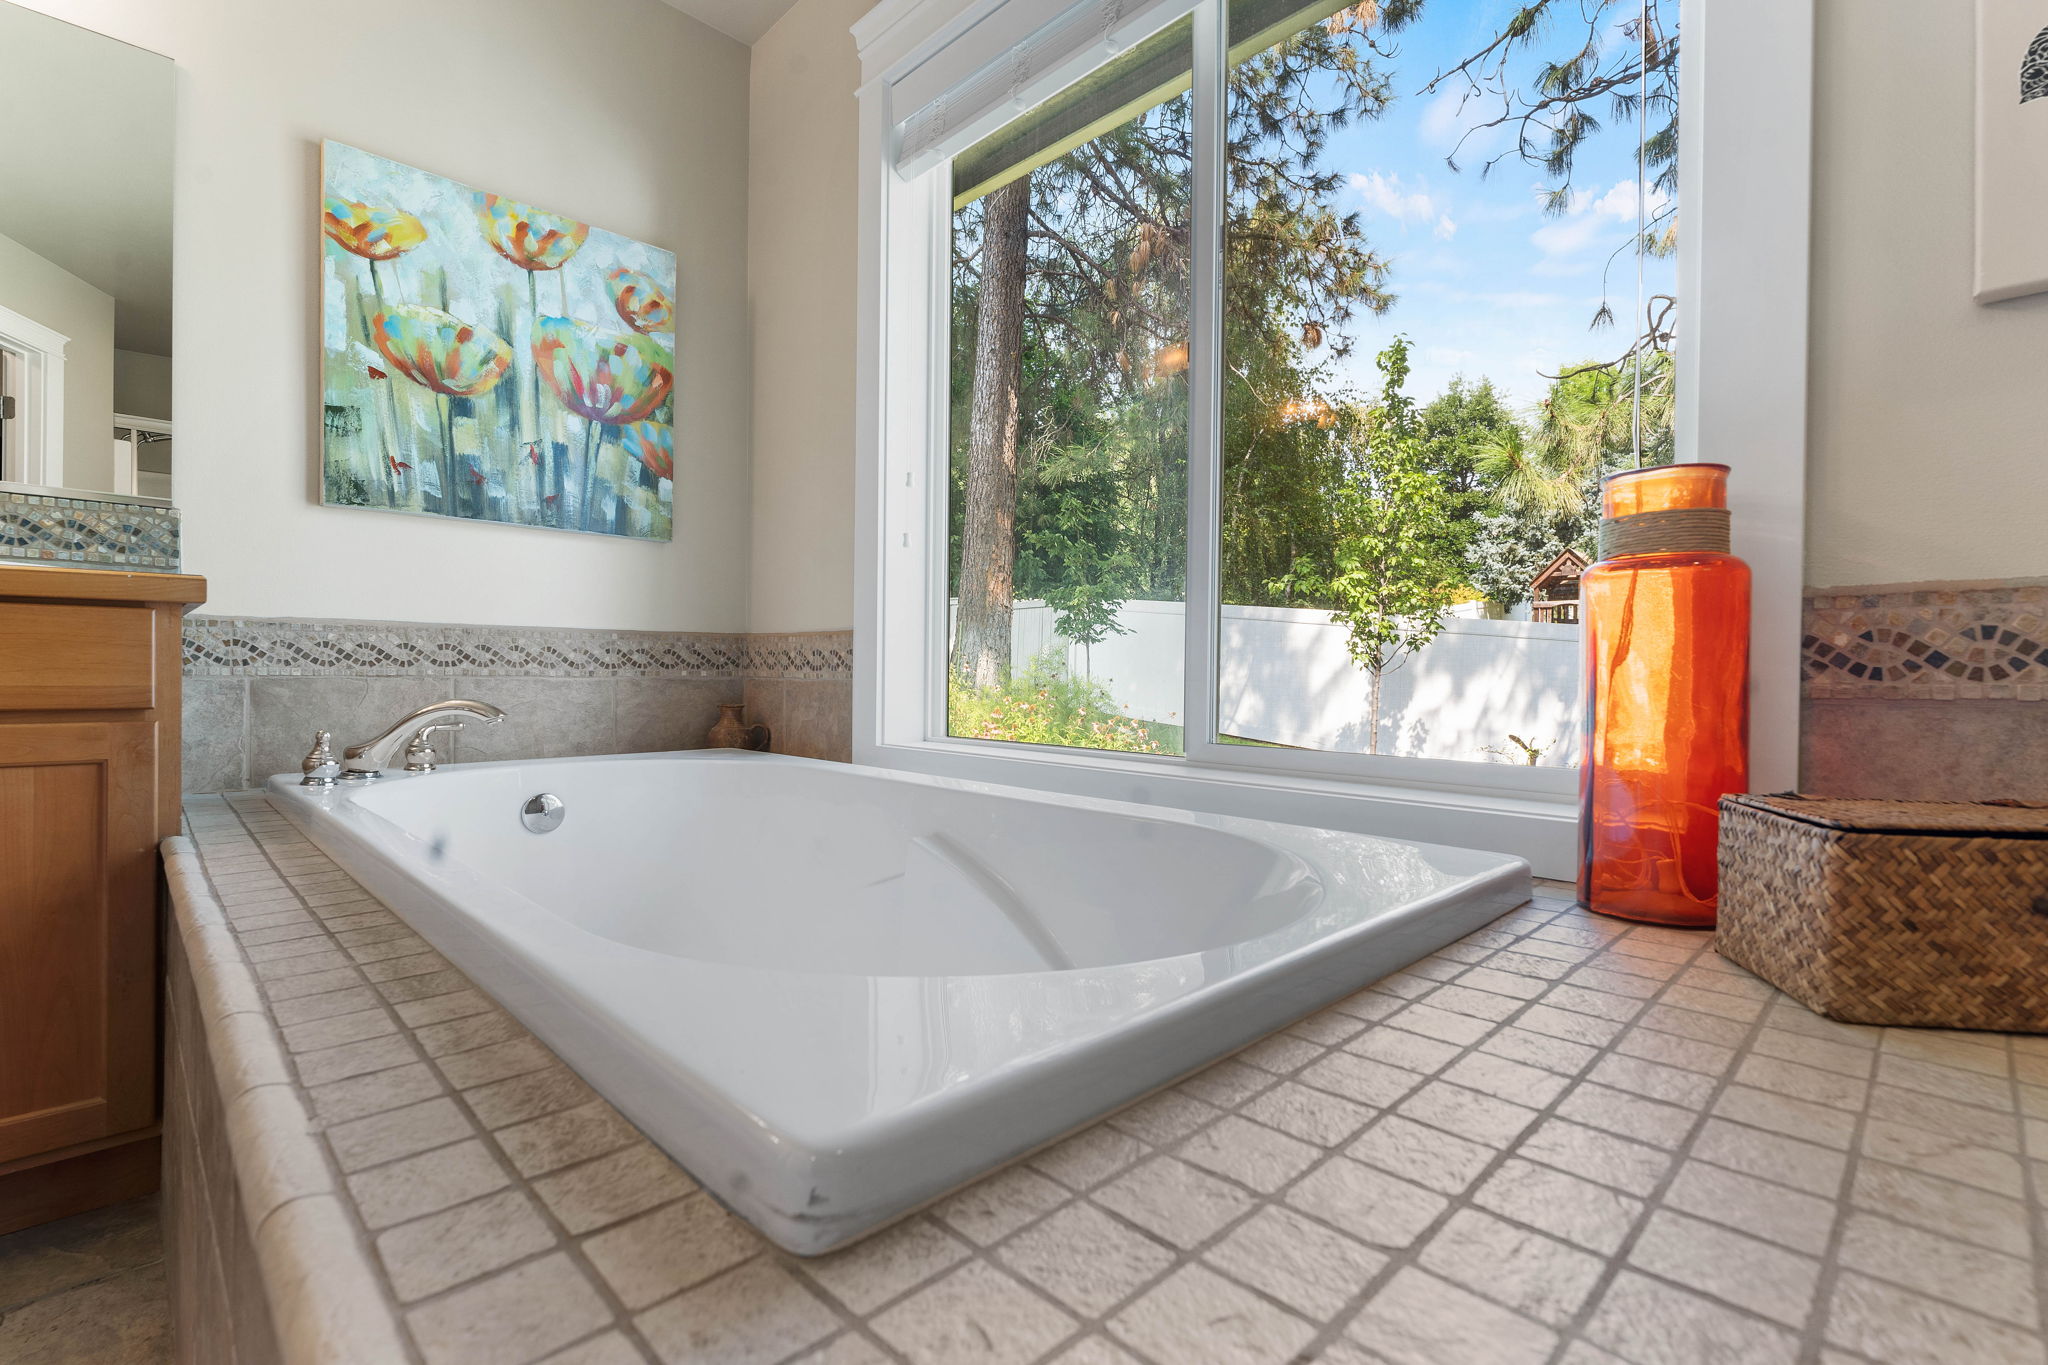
(1286, 351)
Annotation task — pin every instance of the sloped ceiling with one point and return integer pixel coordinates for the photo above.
(745, 20)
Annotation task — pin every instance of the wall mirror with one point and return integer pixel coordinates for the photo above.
(85, 262)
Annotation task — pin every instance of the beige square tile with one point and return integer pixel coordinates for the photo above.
(1249, 1153)
(1379, 1209)
(1887, 1323)
(1524, 1270)
(974, 1316)
(1309, 1267)
(1397, 1047)
(1227, 1084)
(1803, 1165)
(1670, 1049)
(1594, 1155)
(871, 1272)
(1808, 1083)
(1985, 1054)
(1934, 1154)
(1507, 1080)
(277, 989)
(1965, 1123)
(503, 1103)
(354, 1059)
(1728, 1265)
(755, 1315)
(396, 1133)
(1704, 1028)
(1164, 1118)
(1446, 1026)
(608, 1348)
(1712, 1002)
(1196, 1314)
(1560, 1203)
(666, 1251)
(483, 1065)
(389, 1194)
(1496, 982)
(1418, 1319)
(1434, 1159)
(1950, 1082)
(1458, 999)
(1280, 1054)
(1601, 976)
(1359, 1079)
(589, 1196)
(1803, 1119)
(435, 1009)
(993, 1208)
(1174, 1201)
(445, 1249)
(1094, 1351)
(1627, 1115)
(1645, 1320)
(523, 1313)
(467, 1033)
(306, 1008)
(552, 1141)
(1775, 1213)
(1309, 1114)
(1089, 1157)
(315, 1035)
(411, 947)
(1960, 1211)
(1537, 1049)
(1329, 1028)
(1468, 1113)
(1653, 1080)
(1983, 1281)
(1569, 1025)
(1826, 1054)
(374, 1093)
(1085, 1259)
(402, 989)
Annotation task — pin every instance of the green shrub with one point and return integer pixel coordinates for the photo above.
(1043, 705)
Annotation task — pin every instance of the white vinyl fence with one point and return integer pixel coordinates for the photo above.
(1288, 679)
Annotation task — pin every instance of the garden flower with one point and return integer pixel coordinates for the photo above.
(439, 350)
(653, 445)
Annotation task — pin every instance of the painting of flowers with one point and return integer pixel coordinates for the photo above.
(487, 359)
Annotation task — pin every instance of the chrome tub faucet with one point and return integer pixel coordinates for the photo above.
(413, 736)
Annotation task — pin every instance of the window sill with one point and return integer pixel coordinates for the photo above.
(1540, 828)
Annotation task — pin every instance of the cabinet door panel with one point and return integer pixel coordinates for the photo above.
(67, 656)
(78, 937)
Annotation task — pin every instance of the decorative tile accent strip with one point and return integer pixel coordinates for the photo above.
(217, 646)
(819, 655)
(1562, 1138)
(1931, 644)
(50, 529)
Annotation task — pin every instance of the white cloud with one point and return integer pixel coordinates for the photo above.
(1592, 218)
(1386, 194)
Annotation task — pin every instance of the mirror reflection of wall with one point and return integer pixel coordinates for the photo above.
(85, 260)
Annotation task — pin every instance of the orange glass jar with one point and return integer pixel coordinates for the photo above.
(1666, 621)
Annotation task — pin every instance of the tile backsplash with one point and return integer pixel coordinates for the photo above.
(88, 533)
(257, 689)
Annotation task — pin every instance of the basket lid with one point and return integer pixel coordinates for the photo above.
(1980, 819)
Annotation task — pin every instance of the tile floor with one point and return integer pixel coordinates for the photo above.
(1563, 1139)
(86, 1289)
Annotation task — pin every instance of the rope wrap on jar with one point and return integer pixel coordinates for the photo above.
(1677, 530)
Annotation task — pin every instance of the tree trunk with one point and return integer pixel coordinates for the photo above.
(988, 538)
(1373, 733)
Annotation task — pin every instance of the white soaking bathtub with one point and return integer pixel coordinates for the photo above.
(834, 993)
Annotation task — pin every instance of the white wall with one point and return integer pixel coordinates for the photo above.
(627, 114)
(1929, 454)
(61, 301)
(142, 385)
(801, 274)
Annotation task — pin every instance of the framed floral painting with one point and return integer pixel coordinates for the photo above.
(486, 359)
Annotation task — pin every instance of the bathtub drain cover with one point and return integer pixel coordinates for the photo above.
(543, 814)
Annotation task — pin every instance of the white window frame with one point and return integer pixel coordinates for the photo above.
(1744, 175)
(40, 422)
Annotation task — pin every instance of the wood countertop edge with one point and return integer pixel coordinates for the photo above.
(67, 583)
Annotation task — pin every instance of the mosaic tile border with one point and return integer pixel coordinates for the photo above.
(1561, 1139)
(228, 647)
(49, 529)
(1985, 643)
(236, 647)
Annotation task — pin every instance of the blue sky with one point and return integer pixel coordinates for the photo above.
(1487, 284)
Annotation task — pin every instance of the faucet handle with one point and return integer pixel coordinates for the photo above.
(419, 751)
(320, 767)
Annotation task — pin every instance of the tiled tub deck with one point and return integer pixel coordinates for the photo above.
(1560, 1140)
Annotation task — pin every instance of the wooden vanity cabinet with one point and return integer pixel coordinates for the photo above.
(90, 663)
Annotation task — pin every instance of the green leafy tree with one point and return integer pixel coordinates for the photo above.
(1073, 547)
(1394, 571)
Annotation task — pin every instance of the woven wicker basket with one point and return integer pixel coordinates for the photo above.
(1891, 912)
